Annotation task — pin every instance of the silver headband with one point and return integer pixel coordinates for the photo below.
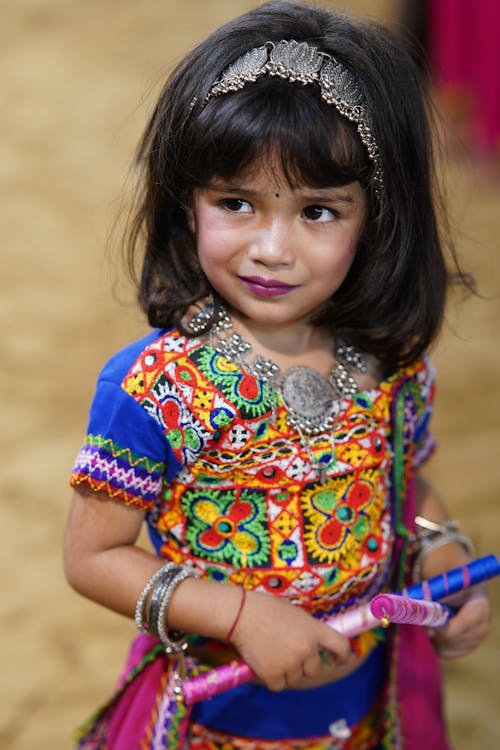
(299, 62)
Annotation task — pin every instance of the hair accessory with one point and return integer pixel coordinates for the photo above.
(432, 536)
(238, 614)
(302, 63)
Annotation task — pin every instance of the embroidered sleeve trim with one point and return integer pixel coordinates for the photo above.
(104, 466)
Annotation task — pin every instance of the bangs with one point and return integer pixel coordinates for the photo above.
(275, 121)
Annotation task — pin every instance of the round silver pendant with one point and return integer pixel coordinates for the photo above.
(308, 398)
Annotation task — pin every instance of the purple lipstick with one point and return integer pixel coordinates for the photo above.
(266, 287)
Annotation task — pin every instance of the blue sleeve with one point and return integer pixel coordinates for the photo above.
(125, 454)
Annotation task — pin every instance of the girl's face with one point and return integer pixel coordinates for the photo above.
(275, 253)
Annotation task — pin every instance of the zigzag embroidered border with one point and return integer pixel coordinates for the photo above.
(104, 466)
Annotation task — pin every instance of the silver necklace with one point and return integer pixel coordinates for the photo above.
(311, 401)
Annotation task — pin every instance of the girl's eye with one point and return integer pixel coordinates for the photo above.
(236, 205)
(318, 213)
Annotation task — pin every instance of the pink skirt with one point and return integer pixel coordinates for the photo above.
(145, 713)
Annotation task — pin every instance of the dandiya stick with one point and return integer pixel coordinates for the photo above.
(362, 618)
(389, 608)
(455, 580)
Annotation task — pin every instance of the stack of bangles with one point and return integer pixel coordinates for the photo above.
(432, 535)
(152, 606)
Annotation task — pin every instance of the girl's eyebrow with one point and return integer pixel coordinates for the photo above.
(229, 187)
(332, 195)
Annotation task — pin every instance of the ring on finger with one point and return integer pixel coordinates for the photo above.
(327, 657)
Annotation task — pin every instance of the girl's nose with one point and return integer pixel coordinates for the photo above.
(272, 243)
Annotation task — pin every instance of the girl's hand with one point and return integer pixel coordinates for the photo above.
(282, 643)
(466, 629)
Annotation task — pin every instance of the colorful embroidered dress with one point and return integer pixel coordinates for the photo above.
(205, 449)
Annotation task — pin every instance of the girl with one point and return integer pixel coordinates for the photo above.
(270, 430)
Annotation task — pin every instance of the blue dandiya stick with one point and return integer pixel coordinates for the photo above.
(361, 618)
(365, 617)
(455, 580)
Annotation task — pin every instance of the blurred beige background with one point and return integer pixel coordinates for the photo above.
(77, 80)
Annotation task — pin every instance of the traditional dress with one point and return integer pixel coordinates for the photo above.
(230, 489)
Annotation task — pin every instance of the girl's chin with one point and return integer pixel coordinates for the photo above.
(267, 316)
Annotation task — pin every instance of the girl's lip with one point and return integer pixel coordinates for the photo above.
(266, 287)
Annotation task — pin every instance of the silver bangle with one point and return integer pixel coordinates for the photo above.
(179, 643)
(432, 536)
(426, 527)
(140, 621)
(156, 599)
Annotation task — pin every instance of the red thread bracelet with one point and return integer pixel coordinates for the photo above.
(238, 614)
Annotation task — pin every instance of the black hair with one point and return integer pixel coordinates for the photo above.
(392, 302)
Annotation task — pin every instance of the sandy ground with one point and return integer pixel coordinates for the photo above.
(76, 84)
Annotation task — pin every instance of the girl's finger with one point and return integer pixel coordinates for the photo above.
(336, 644)
(327, 658)
(277, 684)
(312, 666)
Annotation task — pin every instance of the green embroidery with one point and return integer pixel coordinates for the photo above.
(174, 437)
(191, 439)
(324, 500)
(249, 395)
(226, 526)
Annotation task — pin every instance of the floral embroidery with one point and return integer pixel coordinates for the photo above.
(228, 525)
(339, 516)
(250, 396)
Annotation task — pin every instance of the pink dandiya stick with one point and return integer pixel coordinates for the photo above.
(362, 618)
(354, 621)
(387, 608)
(238, 672)
(216, 681)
